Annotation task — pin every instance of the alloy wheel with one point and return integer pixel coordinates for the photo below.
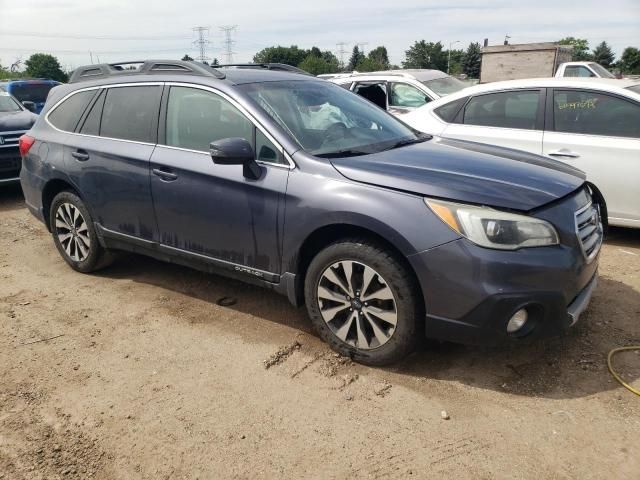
(357, 304)
(72, 232)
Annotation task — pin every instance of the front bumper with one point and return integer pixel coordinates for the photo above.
(470, 292)
(487, 323)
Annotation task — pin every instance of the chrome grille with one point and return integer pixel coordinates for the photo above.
(10, 139)
(589, 230)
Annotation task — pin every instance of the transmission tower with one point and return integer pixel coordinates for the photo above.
(201, 42)
(228, 41)
(361, 45)
(341, 52)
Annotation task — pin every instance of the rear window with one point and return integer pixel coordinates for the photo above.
(131, 113)
(449, 111)
(67, 115)
(31, 92)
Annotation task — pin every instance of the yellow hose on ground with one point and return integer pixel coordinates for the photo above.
(615, 375)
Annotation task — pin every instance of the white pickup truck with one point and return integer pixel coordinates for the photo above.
(583, 69)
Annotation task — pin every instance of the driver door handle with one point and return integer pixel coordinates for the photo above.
(165, 175)
(563, 152)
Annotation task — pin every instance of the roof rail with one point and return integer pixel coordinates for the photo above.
(267, 66)
(141, 67)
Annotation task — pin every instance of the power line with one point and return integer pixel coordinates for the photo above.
(201, 42)
(228, 42)
(89, 37)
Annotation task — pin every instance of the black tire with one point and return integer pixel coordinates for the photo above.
(95, 257)
(395, 275)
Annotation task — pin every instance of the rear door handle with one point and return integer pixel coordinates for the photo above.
(164, 175)
(80, 155)
(563, 152)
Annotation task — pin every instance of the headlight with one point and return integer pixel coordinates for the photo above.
(491, 228)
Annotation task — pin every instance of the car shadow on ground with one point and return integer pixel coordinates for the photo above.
(570, 366)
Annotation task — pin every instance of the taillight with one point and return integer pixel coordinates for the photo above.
(24, 144)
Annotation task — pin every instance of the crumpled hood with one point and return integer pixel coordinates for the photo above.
(12, 121)
(466, 172)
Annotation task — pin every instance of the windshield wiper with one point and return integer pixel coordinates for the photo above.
(342, 153)
(410, 141)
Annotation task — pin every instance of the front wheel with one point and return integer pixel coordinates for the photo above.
(363, 302)
(74, 234)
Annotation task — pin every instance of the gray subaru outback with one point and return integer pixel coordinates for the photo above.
(295, 184)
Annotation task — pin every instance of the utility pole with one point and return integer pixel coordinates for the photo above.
(341, 52)
(201, 42)
(228, 41)
(91, 55)
(449, 59)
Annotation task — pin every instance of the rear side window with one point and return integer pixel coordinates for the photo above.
(517, 109)
(449, 111)
(131, 113)
(67, 115)
(594, 113)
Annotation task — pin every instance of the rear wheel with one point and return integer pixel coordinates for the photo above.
(74, 234)
(363, 302)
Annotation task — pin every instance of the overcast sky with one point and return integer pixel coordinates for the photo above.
(115, 30)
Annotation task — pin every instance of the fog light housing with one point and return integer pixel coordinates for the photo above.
(517, 321)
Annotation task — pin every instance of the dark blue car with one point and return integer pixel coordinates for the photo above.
(32, 93)
(300, 186)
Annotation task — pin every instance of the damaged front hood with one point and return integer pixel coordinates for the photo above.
(467, 172)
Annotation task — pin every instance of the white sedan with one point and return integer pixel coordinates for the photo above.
(591, 124)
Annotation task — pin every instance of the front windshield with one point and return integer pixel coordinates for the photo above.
(8, 104)
(445, 85)
(327, 120)
(601, 71)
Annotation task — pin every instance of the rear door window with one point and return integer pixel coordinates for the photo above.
(594, 113)
(67, 115)
(517, 109)
(131, 113)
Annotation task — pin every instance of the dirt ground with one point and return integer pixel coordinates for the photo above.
(149, 372)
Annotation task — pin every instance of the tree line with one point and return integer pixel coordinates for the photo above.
(421, 54)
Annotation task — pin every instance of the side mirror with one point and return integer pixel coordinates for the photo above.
(29, 106)
(235, 151)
